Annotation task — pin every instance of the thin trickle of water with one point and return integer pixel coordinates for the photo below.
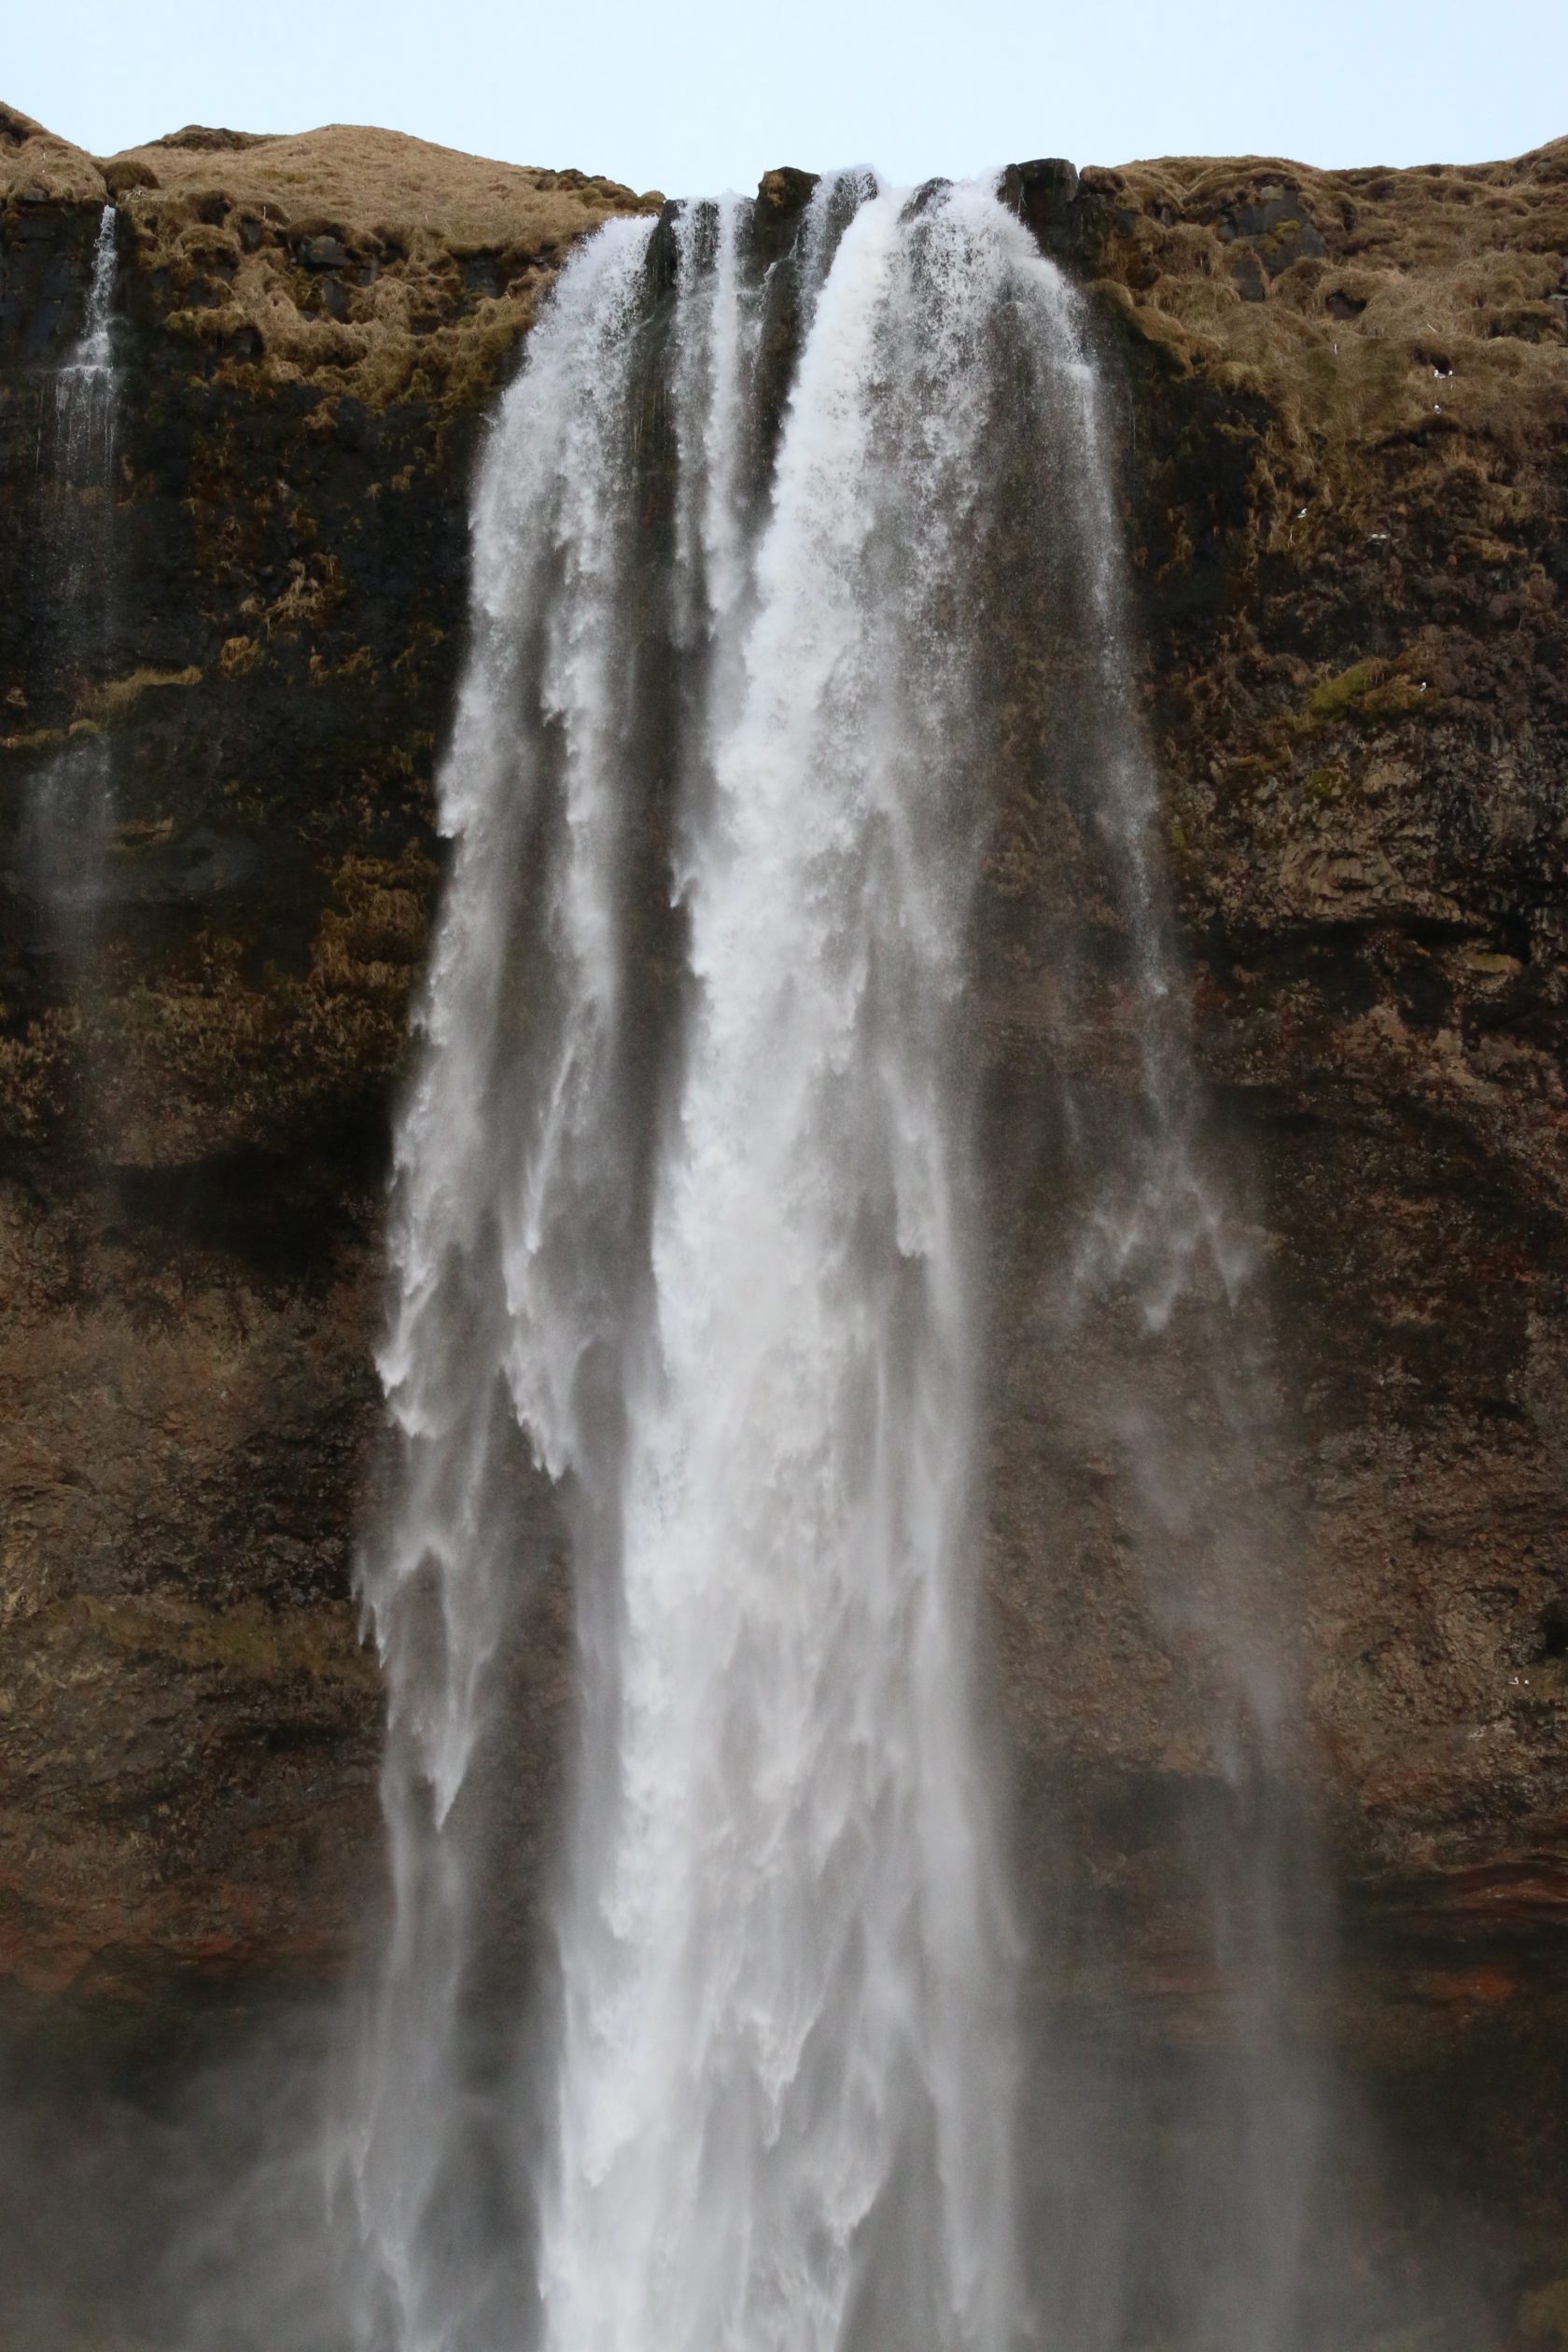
(689, 1257)
(1158, 1325)
(84, 388)
(69, 818)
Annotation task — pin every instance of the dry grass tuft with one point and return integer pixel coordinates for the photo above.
(35, 165)
(371, 186)
(1421, 314)
(360, 261)
(365, 261)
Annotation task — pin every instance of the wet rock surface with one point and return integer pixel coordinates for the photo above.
(1345, 471)
(1359, 682)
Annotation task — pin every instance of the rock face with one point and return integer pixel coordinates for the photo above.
(194, 1072)
(1343, 438)
(1352, 532)
(1341, 410)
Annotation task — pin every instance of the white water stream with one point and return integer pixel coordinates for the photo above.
(705, 1245)
(66, 826)
(84, 388)
(783, 2012)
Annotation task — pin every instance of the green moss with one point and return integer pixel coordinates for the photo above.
(1370, 694)
(114, 701)
(40, 739)
(1336, 698)
(247, 1640)
(1395, 699)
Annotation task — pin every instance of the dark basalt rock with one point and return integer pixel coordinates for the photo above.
(1247, 269)
(1278, 226)
(199, 1037)
(1043, 193)
(782, 196)
(324, 253)
(925, 196)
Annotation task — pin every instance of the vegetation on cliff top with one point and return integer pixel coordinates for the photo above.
(378, 265)
(1417, 315)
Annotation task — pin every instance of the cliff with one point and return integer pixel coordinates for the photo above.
(1341, 412)
(194, 1118)
(1344, 402)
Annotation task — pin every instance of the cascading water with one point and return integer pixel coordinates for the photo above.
(66, 827)
(512, 1171)
(781, 2108)
(1174, 2201)
(691, 1259)
(84, 388)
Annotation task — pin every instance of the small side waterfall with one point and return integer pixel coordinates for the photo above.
(695, 1281)
(1175, 2199)
(84, 388)
(67, 828)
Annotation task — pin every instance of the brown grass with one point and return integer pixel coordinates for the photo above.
(365, 184)
(1431, 332)
(34, 159)
(1457, 269)
(445, 255)
(1431, 259)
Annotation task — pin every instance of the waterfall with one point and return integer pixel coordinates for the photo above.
(694, 1281)
(84, 388)
(781, 2034)
(509, 1189)
(66, 826)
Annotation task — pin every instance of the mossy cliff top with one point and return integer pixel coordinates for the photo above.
(36, 168)
(1423, 311)
(380, 265)
(373, 264)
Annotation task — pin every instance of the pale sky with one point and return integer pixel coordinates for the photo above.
(699, 95)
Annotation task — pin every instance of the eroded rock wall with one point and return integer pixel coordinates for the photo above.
(1351, 526)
